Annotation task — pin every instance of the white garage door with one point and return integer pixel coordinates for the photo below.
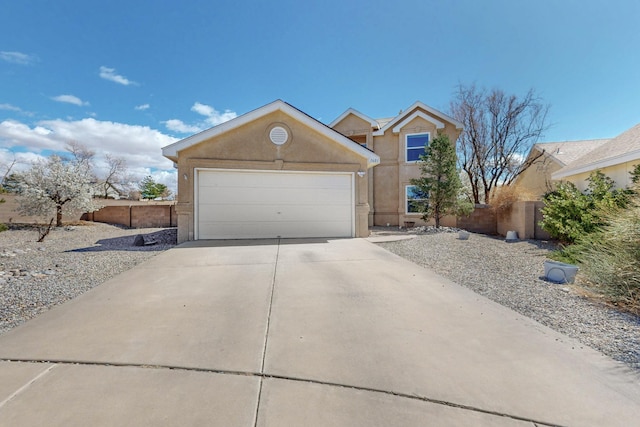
(264, 204)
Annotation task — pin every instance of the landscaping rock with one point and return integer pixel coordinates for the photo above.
(139, 240)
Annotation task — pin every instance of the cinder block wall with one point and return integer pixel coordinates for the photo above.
(122, 212)
(151, 216)
(482, 220)
(136, 215)
(112, 215)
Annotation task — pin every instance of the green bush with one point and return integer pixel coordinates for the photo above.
(3, 227)
(609, 258)
(569, 214)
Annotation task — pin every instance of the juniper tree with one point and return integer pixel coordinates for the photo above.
(439, 182)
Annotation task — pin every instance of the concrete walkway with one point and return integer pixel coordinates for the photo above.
(299, 332)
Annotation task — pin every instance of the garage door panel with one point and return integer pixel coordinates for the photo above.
(229, 213)
(269, 180)
(235, 230)
(245, 204)
(214, 195)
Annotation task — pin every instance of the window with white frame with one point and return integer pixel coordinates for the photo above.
(414, 198)
(414, 146)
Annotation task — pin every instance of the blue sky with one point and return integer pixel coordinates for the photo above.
(128, 77)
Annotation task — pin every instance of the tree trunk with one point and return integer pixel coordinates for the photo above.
(59, 216)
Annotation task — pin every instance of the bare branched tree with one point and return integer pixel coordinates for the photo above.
(81, 153)
(116, 179)
(499, 130)
(6, 169)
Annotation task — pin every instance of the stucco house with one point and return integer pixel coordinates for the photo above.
(549, 157)
(399, 141)
(616, 159)
(276, 171)
(574, 161)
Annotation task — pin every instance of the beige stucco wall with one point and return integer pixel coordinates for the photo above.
(353, 125)
(249, 147)
(619, 173)
(389, 178)
(536, 179)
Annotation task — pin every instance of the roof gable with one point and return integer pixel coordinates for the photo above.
(352, 111)
(406, 116)
(171, 151)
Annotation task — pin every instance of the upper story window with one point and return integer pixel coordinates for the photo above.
(414, 146)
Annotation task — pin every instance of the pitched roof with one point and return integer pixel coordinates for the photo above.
(356, 113)
(381, 125)
(411, 110)
(171, 151)
(623, 148)
(566, 152)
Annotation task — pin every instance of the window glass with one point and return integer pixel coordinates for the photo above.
(414, 196)
(415, 146)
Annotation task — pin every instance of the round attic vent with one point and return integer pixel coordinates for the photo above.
(278, 135)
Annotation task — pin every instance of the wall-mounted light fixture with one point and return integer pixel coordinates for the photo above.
(361, 173)
(185, 176)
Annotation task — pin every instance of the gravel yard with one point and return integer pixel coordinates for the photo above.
(71, 260)
(511, 274)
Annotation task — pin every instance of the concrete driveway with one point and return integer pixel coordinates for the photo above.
(299, 332)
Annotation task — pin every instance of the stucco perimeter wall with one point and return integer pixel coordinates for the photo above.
(9, 213)
(248, 148)
(523, 218)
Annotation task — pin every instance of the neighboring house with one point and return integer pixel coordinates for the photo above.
(277, 172)
(273, 172)
(549, 157)
(616, 159)
(399, 141)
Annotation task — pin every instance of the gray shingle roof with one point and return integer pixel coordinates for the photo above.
(622, 148)
(569, 151)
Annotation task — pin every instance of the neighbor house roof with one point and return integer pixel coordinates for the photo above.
(566, 152)
(171, 151)
(621, 149)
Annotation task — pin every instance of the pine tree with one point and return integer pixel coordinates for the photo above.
(439, 181)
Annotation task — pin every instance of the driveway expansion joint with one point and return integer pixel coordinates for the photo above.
(26, 386)
(266, 333)
(261, 376)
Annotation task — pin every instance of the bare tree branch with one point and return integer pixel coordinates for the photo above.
(499, 130)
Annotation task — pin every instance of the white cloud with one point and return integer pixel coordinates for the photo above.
(17, 58)
(179, 126)
(70, 99)
(110, 74)
(213, 118)
(139, 145)
(142, 107)
(9, 107)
